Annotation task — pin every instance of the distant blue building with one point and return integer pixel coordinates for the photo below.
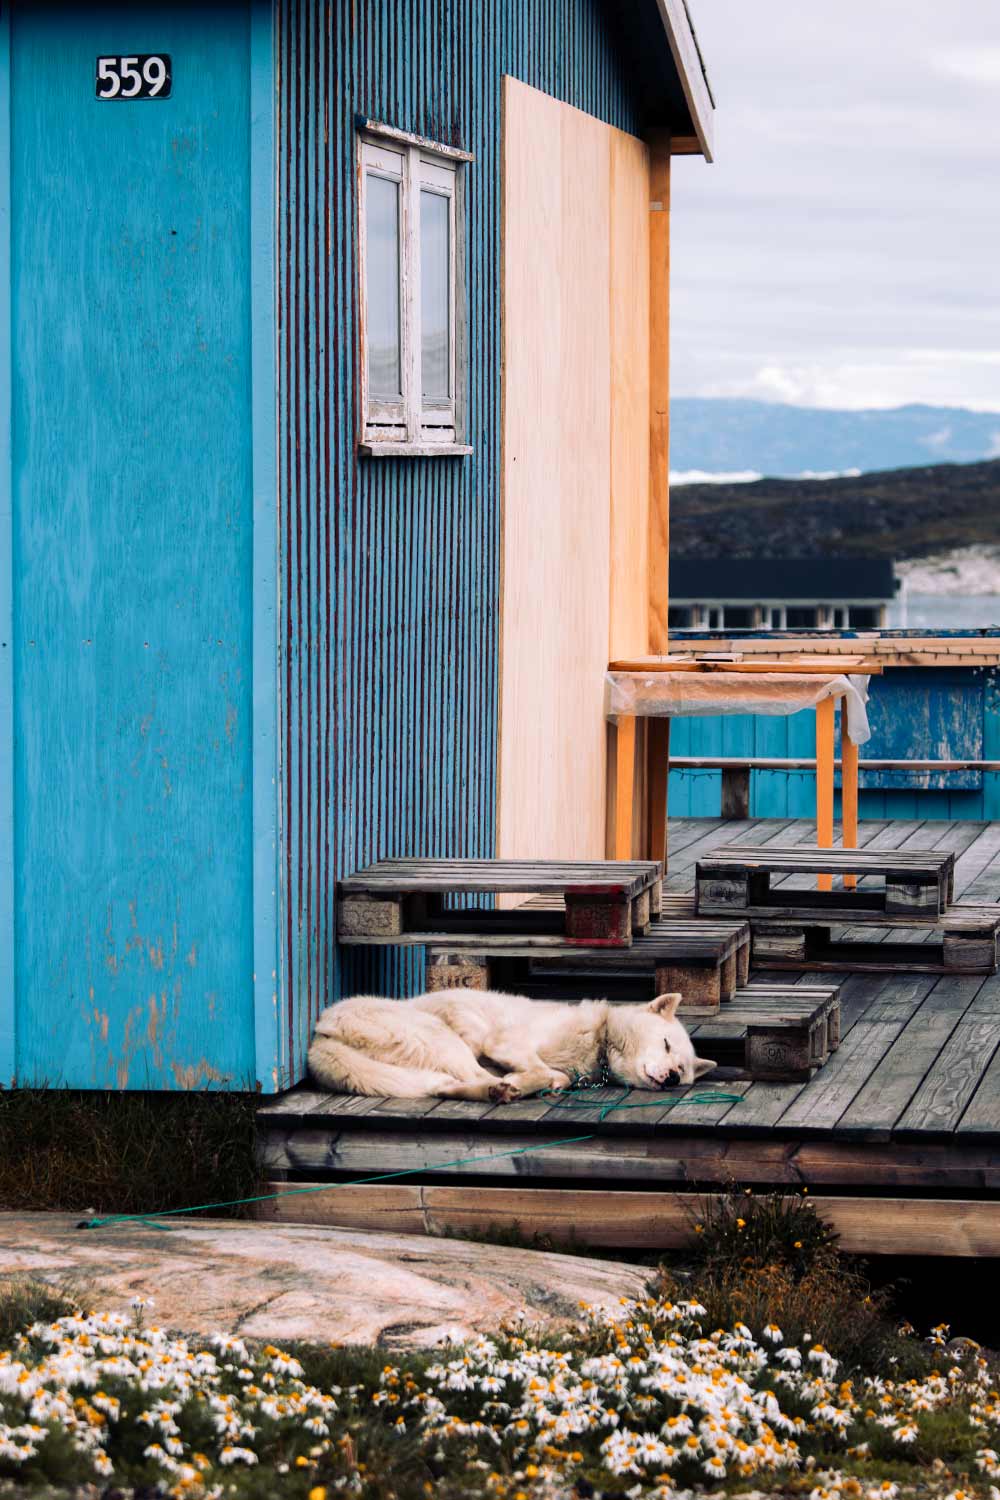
(253, 295)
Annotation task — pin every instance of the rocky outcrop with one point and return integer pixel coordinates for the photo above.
(288, 1282)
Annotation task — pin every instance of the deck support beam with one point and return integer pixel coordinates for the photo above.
(629, 1220)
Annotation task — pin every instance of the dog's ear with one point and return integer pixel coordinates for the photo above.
(665, 1006)
(703, 1065)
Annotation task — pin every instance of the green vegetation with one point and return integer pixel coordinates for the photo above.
(124, 1152)
(897, 513)
(765, 1364)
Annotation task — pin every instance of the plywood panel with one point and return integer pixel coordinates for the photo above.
(132, 528)
(659, 392)
(630, 447)
(557, 461)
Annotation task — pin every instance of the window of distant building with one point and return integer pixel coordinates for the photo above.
(411, 254)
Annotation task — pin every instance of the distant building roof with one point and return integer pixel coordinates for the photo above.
(781, 578)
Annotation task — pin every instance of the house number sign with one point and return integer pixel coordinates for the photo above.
(144, 75)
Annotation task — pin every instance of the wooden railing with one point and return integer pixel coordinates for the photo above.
(736, 772)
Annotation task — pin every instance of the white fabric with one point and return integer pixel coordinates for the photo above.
(674, 695)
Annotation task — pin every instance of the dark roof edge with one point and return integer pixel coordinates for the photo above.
(682, 39)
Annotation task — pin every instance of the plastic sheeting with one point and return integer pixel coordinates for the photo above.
(674, 695)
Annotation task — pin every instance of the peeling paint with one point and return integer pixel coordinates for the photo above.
(195, 1075)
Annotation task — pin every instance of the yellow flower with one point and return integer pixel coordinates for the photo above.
(699, 1229)
(531, 1471)
(741, 1223)
(798, 1245)
(318, 1492)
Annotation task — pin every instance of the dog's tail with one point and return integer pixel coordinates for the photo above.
(346, 1070)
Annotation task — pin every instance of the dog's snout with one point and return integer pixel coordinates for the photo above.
(672, 1079)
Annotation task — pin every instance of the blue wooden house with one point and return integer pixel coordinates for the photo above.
(333, 394)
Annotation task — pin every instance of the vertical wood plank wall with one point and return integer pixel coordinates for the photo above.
(390, 579)
(576, 461)
(630, 369)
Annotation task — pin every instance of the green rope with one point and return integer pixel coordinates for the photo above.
(607, 1108)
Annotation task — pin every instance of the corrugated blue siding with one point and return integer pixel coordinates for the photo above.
(390, 569)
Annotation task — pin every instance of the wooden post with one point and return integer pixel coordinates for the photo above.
(824, 782)
(657, 775)
(848, 790)
(659, 389)
(624, 785)
(736, 792)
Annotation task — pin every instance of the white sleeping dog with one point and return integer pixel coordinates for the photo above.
(438, 1043)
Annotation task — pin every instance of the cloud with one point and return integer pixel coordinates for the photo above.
(858, 383)
(846, 219)
(971, 64)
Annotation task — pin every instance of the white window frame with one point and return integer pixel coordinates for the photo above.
(412, 425)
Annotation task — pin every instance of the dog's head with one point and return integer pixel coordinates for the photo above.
(649, 1048)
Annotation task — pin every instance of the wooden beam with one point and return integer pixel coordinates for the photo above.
(624, 786)
(824, 782)
(799, 763)
(659, 390)
(736, 792)
(619, 1220)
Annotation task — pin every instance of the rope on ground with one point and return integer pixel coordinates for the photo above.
(605, 1109)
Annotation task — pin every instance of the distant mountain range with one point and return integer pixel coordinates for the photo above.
(902, 513)
(741, 438)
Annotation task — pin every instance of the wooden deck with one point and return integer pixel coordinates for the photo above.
(907, 1111)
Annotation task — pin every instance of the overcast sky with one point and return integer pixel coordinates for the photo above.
(844, 249)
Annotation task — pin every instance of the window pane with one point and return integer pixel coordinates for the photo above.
(382, 231)
(435, 301)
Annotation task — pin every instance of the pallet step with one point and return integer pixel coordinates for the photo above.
(969, 948)
(406, 901)
(784, 1032)
(705, 962)
(917, 885)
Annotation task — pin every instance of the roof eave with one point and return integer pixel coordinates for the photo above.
(690, 67)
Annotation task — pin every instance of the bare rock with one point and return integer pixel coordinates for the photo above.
(286, 1282)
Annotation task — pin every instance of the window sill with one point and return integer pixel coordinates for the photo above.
(414, 450)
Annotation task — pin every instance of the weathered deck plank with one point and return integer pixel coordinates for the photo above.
(886, 1093)
(955, 1072)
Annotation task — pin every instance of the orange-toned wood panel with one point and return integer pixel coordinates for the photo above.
(659, 391)
(630, 446)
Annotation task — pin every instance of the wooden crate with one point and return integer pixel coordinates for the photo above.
(917, 884)
(782, 1033)
(969, 942)
(405, 901)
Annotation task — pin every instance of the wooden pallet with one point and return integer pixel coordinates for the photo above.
(705, 961)
(917, 884)
(969, 944)
(405, 901)
(781, 1033)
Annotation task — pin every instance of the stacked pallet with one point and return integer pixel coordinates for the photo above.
(898, 889)
(597, 928)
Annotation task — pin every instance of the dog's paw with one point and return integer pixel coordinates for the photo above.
(504, 1093)
(559, 1080)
